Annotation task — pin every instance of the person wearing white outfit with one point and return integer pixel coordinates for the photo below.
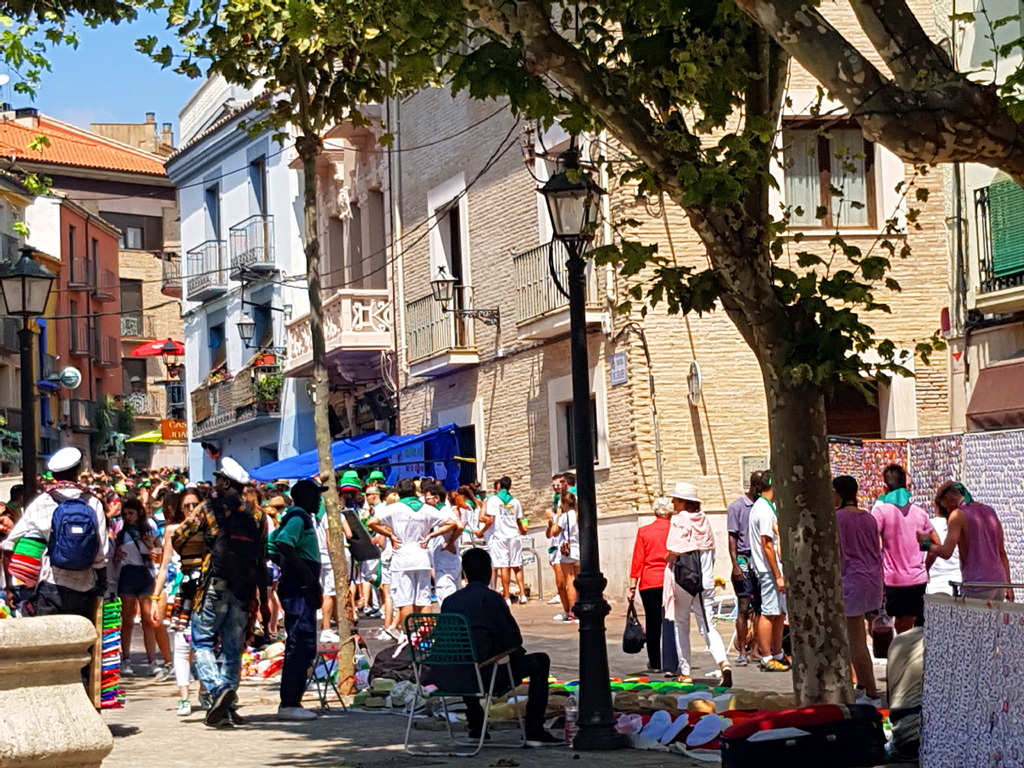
(444, 553)
(505, 544)
(690, 579)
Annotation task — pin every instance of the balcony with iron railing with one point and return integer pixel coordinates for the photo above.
(1000, 243)
(10, 419)
(136, 326)
(170, 283)
(9, 327)
(252, 246)
(357, 328)
(439, 341)
(175, 397)
(206, 271)
(48, 376)
(106, 288)
(83, 338)
(82, 274)
(107, 353)
(9, 247)
(82, 415)
(542, 310)
(143, 404)
(236, 404)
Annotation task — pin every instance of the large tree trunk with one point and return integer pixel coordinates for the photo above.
(309, 148)
(801, 476)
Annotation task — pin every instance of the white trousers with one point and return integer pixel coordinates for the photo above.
(687, 604)
(181, 654)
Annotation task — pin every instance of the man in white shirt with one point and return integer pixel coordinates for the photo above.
(505, 545)
(410, 525)
(763, 535)
(444, 553)
(59, 590)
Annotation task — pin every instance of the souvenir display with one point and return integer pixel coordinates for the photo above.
(933, 461)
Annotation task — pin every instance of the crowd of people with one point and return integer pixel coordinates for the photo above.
(891, 555)
(210, 569)
(207, 570)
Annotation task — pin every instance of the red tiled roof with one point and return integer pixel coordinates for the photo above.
(70, 145)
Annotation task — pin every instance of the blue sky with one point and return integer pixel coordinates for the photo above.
(105, 80)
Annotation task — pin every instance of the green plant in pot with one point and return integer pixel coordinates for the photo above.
(268, 388)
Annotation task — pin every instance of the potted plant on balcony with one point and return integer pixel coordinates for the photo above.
(264, 358)
(268, 390)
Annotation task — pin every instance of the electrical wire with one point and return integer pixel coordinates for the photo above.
(298, 281)
(284, 147)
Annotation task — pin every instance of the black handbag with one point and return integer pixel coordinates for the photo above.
(633, 638)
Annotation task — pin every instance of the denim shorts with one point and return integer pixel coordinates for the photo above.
(772, 603)
(135, 581)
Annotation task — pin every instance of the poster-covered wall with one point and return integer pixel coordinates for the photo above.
(967, 721)
(994, 474)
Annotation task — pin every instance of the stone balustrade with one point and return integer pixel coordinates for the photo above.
(46, 718)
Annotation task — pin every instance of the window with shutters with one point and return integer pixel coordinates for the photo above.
(829, 177)
(1000, 232)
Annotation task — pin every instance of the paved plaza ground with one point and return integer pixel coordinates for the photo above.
(148, 730)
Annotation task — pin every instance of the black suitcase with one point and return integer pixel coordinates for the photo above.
(854, 742)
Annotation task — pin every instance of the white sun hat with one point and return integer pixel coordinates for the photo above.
(685, 492)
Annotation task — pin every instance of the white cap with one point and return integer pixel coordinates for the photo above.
(232, 470)
(64, 459)
(686, 492)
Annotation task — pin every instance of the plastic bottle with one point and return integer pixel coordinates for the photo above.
(572, 711)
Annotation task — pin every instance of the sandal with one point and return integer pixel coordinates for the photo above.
(685, 680)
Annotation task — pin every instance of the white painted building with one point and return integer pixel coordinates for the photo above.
(241, 224)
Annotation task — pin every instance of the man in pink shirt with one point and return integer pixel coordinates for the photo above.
(903, 572)
(974, 529)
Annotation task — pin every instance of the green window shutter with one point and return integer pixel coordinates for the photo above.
(1006, 214)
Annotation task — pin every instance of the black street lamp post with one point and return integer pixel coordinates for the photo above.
(26, 290)
(573, 200)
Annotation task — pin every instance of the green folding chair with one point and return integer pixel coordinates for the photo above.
(445, 640)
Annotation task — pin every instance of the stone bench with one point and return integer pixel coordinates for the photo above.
(46, 717)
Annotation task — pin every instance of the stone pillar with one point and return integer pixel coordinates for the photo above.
(46, 718)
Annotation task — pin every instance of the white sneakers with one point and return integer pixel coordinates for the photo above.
(184, 708)
(295, 713)
(329, 636)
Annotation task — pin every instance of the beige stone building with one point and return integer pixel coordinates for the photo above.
(469, 204)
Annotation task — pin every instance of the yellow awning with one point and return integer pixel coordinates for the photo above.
(155, 436)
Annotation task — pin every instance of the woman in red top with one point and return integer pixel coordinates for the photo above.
(647, 573)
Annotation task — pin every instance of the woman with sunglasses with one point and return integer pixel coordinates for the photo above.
(178, 576)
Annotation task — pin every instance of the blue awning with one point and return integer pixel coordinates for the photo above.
(377, 449)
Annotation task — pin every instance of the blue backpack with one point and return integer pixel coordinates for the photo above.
(74, 538)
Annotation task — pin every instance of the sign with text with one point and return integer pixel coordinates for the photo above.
(618, 372)
(174, 429)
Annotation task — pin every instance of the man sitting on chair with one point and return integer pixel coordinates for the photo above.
(494, 630)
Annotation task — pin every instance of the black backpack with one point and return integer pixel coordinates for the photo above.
(238, 555)
(360, 545)
(688, 573)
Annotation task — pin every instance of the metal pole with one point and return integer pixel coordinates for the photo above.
(596, 719)
(28, 413)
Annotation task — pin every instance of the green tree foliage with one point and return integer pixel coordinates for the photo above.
(691, 91)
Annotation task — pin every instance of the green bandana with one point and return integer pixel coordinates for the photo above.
(900, 497)
(965, 493)
(412, 503)
(505, 496)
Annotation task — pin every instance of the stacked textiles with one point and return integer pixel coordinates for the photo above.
(111, 693)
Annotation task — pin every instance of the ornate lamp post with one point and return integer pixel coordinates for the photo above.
(26, 290)
(573, 201)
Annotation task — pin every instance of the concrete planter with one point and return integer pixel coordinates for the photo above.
(46, 718)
